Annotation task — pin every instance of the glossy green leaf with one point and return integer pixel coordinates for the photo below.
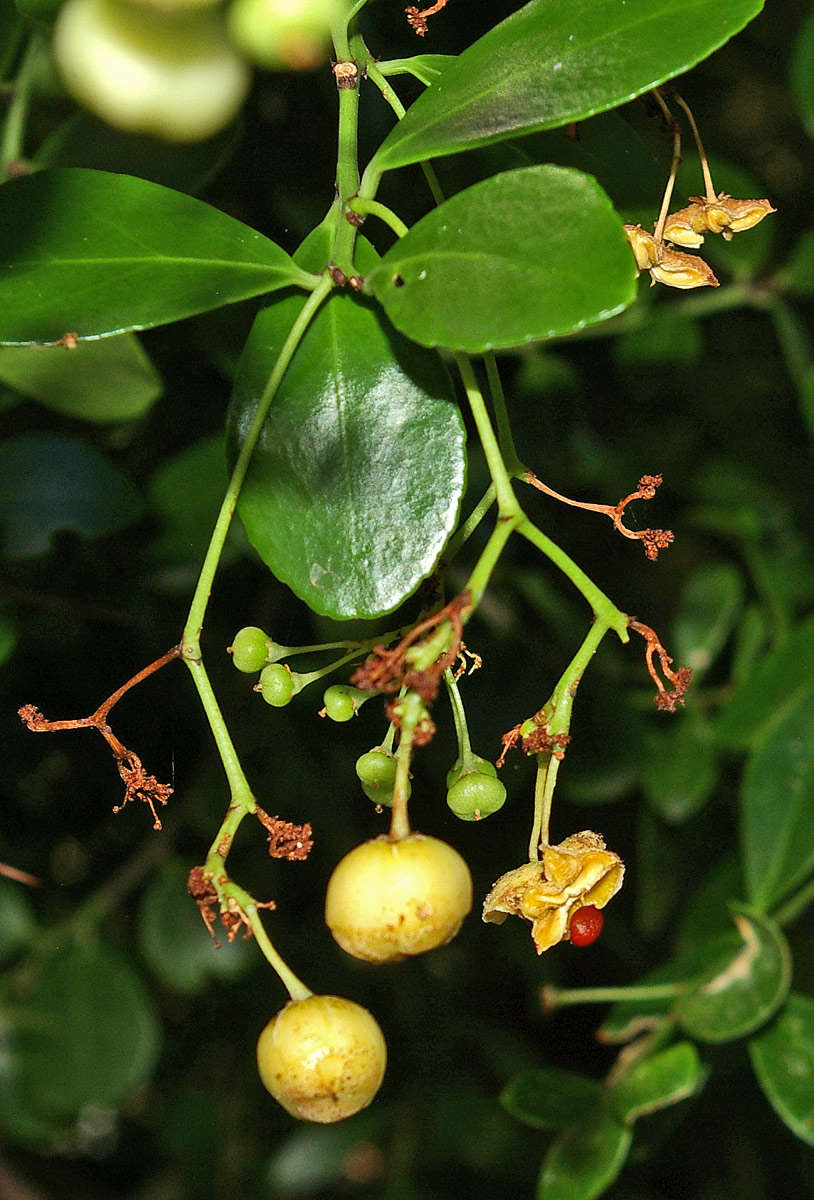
(50, 483)
(548, 1097)
(585, 1158)
(777, 808)
(783, 1059)
(355, 484)
(659, 1081)
(551, 63)
(708, 607)
(109, 380)
(679, 770)
(95, 254)
(746, 982)
(529, 254)
(777, 684)
(173, 940)
(85, 1035)
(802, 74)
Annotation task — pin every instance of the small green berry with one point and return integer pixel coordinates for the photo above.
(341, 701)
(376, 770)
(276, 685)
(249, 649)
(476, 795)
(475, 763)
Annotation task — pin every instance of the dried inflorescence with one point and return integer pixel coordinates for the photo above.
(723, 215)
(653, 540)
(286, 839)
(667, 700)
(200, 885)
(389, 669)
(547, 892)
(417, 18)
(537, 740)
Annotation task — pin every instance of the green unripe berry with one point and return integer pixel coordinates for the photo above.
(474, 763)
(322, 1058)
(476, 795)
(341, 701)
(250, 649)
(376, 770)
(276, 685)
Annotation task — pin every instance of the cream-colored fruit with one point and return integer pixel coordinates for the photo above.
(322, 1058)
(169, 74)
(388, 900)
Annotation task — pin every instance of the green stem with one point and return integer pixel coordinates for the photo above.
(412, 710)
(347, 160)
(478, 581)
(13, 133)
(375, 76)
(604, 609)
(468, 527)
(14, 40)
(295, 987)
(556, 717)
(190, 640)
(459, 718)
(793, 340)
(374, 209)
(504, 430)
(507, 503)
(555, 997)
(795, 905)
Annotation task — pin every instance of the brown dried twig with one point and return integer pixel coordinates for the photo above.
(652, 540)
(138, 783)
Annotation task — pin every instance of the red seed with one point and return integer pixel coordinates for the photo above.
(586, 925)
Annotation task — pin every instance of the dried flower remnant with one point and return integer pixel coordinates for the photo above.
(286, 839)
(201, 887)
(668, 266)
(728, 216)
(653, 540)
(579, 871)
(666, 700)
(417, 18)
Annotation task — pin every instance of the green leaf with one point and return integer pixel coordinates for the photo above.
(783, 1059)
(356, 481)
(185, 493)
(585, 1158)
(708, 608)
(50, 483)
(777, 808)
(17, 921)
(86, 1034)
(551, 63)
(679, 770)
(96, 254)
(173, 940)
(666, 339)
(746, 982)
(110, 380)
(427, 68)
(548, 1097)
(658, 1082)
(85, 141)
(529, 254)
(777, 684)
(802, 74)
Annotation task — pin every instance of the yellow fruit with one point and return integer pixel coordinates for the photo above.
(322, 1058)
(170, 74)
(387, 900)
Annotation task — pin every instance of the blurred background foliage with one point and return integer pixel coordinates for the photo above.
(127, 1066)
